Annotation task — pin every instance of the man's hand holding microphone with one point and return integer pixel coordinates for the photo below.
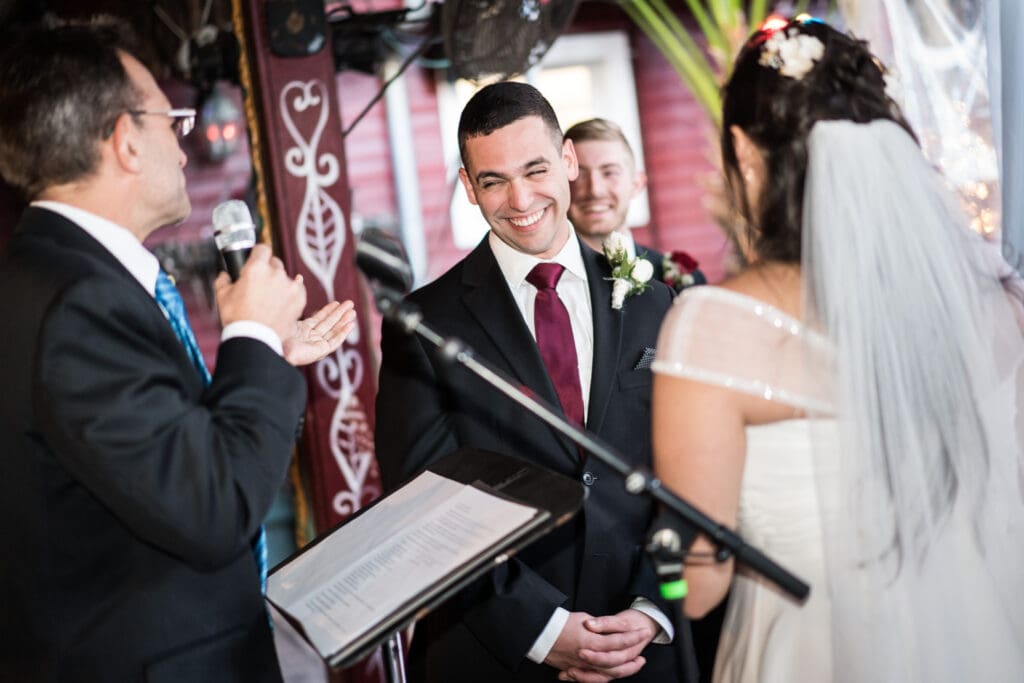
(262, 292)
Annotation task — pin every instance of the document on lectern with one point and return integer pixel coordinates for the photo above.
(406, 546)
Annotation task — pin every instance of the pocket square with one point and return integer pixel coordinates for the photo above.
(645, 360)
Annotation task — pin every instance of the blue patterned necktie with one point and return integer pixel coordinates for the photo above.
(174, 310)
(170, 302)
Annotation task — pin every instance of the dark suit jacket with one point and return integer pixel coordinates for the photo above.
(129, 492)
(426, 410)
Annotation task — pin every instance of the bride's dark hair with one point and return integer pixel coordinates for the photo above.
(777, 112)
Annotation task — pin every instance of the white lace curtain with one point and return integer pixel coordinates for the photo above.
(1005, 22)
(958, 64)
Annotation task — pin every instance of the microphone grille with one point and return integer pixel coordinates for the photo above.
(231, 213)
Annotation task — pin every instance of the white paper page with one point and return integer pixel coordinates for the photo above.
(351, 580)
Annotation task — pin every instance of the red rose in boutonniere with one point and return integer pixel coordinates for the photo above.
(681, 271)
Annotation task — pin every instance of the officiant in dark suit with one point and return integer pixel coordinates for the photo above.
(580, 604)
(132, 483)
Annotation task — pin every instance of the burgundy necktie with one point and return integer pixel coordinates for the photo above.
(555, 340)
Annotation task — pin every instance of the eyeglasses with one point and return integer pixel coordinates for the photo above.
(184, 120)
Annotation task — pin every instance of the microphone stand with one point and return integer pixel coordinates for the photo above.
(666, 553)
(394, 659)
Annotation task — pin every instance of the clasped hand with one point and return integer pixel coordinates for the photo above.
(599, 649)
(266, 294)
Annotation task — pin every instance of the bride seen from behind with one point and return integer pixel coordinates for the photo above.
(849, 400)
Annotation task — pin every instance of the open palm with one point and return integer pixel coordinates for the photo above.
(320, 334)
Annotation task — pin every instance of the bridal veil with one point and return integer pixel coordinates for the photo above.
(925, 556)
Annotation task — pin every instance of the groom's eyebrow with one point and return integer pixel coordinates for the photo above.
(525, 168)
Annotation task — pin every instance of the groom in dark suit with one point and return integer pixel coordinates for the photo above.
(132, 485)
(582, 602)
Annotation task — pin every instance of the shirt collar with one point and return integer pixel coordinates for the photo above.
(515, 265)
(118, 240)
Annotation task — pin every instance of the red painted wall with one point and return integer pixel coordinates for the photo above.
(676, 136)
(676, 139)
(679, 145)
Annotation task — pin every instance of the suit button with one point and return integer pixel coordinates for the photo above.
(589, 478)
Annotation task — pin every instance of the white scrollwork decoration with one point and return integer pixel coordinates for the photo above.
(352, 446)
(320, 232)
(320, 228)
(350, 440)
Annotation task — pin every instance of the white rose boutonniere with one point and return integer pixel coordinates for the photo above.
(629, 275)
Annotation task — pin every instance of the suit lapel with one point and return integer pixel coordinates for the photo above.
(607, 337)
(489, 300)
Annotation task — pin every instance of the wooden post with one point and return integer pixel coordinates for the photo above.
(303, 198)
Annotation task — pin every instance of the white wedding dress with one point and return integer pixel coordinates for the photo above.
(767, 636)
(790, 499)
(719, 337)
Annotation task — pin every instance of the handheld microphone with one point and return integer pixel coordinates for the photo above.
(381, 258)
(235, 234)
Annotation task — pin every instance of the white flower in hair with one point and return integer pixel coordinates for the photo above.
(792, 53)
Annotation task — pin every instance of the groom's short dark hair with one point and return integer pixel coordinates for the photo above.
(500, 104)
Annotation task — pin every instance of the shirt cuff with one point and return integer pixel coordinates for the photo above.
(667, 632)
(253, 330)
(546, 640)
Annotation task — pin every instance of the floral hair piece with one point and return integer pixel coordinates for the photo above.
(791, 53)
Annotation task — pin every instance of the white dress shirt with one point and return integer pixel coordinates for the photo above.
(574, 292)
(124, 246)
